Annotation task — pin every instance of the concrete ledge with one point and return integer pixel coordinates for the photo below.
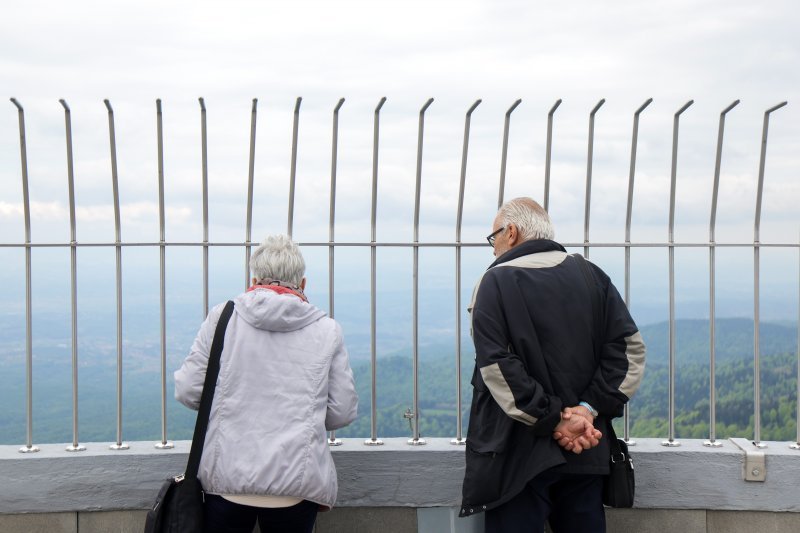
(429, 520)
(393, 475)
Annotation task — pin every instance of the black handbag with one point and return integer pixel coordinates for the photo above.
(619, 486)
(179, 504)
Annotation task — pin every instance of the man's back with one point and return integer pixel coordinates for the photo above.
(551, 369)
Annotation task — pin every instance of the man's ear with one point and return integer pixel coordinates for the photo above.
(303, 284)
(513, 235)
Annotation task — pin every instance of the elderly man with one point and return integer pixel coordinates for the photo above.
(551, 371)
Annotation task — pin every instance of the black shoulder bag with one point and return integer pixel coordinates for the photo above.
(619, 485)
(179, 504)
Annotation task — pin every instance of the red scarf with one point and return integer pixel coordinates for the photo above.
(280, 290)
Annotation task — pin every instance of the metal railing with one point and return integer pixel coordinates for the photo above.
(457, 245)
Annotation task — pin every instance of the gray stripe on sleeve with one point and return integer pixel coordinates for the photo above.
(634, 351)
(501, 393)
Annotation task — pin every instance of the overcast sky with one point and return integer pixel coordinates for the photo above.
(712, 52)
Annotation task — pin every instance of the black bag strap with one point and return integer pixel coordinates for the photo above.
(212, 372)
(616, 450)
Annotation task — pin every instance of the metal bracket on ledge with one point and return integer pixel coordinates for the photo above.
(755, 462)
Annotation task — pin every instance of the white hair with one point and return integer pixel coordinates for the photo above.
(531, 220)
(278, 258)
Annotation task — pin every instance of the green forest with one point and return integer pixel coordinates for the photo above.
(648, 411)
(650, 406)
(437, 392)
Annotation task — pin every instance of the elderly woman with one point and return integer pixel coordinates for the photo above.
(284, 380)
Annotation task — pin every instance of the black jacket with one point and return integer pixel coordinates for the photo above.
(533, 327)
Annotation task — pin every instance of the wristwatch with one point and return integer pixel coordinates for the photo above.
(591, 409)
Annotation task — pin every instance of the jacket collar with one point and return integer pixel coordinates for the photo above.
(528, 247)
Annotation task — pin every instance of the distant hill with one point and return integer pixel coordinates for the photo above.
(734, 340)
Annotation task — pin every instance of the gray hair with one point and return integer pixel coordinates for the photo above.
(278, 258)
(531, 220)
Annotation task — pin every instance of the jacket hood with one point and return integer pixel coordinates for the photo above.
(268, 310)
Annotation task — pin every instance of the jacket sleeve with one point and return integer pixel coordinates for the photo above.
(622, 359)
(502, 371)
(191, 376)
(342, 397)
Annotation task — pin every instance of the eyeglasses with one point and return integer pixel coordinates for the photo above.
(494, 234)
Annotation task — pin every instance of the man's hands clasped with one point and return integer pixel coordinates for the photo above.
(576, 432)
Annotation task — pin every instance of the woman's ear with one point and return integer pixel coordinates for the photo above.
(303, 284)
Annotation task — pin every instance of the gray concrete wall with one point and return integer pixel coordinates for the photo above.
(400, 488)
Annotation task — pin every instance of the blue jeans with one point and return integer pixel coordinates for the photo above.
(572, 503)
(223, 516)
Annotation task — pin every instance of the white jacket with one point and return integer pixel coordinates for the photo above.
(284, 380)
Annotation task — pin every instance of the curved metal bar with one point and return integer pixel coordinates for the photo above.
(504, 156)
(374, 440)
(75, 446)
(204, 163)
(26, 211)
(674, 168)
(119, 445)
(761, 164)
(464, 151)
(757, 282)
(164, 444)
(415, 438)
(631, 175)
(589, 158)
(712, 441)
(332, 440)
(250, 178)
(717, 165)
(671, 342)
(548, 154)
(332, 206)
(293, 171)
(459, 438)
(420, 132)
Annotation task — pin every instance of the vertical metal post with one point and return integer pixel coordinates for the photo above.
(75, 446)
(415, 439)
(164, 444)
(374, 440)
(293, 171)
(26, 209)
(673, 175)
(332, 440)
(548, 153)
(119, 445)
(796, 444)
(589, 157)
(250, 178)
(756, 283)
(712, 441)
(628, 218)
(504, 156)
(204, 161)
(459, 438)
